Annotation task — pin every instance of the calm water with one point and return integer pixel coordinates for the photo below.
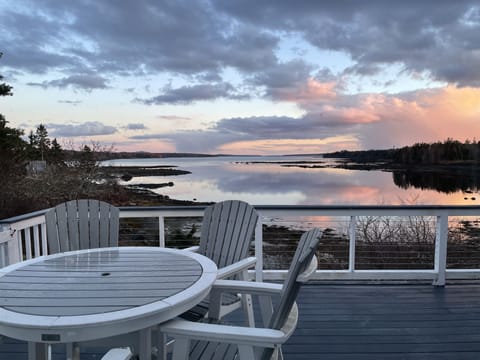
(221, 178)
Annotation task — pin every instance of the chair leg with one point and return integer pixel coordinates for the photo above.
(181, 349)
(266, 308)
(248, 309)
(247, 303)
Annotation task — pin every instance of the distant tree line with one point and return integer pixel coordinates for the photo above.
(439, 152)
(363, 156)
(418, 154)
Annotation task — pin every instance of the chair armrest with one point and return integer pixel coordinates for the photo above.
(192, 248)
(265, 291)
(223, 333)
(237, 267)
(246, 287)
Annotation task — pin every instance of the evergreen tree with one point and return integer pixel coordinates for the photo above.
(43, 141)
(55, 154)
(12, 146)
(32, 146)
(5, 89)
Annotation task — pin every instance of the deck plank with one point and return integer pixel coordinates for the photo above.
(368, 322)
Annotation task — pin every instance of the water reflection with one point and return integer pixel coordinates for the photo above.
(220, 178)
(438, 181)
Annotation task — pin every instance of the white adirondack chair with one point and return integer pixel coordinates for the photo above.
(227, 231)
(198, 340)
(81, 224)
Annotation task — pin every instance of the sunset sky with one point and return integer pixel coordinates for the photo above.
(243, 76)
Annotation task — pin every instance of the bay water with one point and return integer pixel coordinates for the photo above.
(297, 180)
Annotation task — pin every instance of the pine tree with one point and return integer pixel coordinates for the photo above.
(43, 141)
(55, 154)
(12, 146)
(5, 89)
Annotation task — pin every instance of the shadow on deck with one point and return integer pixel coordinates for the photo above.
(381, 321)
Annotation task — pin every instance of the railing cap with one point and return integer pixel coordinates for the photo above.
(270, 208)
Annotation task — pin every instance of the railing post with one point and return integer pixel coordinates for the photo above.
(259, 251)
(4, 239)
(15, 249)
(28, 244)
(441, 249)
(161, 231)
(352, 232)
(36, 241)
(43, 232)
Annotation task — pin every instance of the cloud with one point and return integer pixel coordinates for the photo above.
(190, 94)
(283, 80)
(434, 36)
(364, 121)
(70, 102)
(291, 146)
(136, 126)
(311, 91)
(263, 127)
(173, 117)
(84, 82)
(92, 128)
(256, 134)
(424, 116)
(124, 37)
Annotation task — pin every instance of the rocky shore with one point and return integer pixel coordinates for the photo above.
(141, 194)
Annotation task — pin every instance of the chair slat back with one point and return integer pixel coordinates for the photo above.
(227, 230)
(81, 224)
(303, 255)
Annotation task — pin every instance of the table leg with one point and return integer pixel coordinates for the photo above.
(145, 344)
(38, 351)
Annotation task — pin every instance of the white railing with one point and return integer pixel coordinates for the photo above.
(24, 237)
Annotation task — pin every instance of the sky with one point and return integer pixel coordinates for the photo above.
(243, 76)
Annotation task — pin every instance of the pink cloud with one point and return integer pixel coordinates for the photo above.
(305, 93)
(393, 120)
(290, 146)
(425, 116)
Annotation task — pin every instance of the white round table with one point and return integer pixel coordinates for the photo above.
(96, 293)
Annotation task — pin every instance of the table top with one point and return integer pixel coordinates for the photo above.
(90, 294)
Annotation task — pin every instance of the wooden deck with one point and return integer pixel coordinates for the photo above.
(382, 321)
(387, 322)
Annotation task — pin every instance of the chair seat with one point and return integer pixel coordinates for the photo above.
(200, 311)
